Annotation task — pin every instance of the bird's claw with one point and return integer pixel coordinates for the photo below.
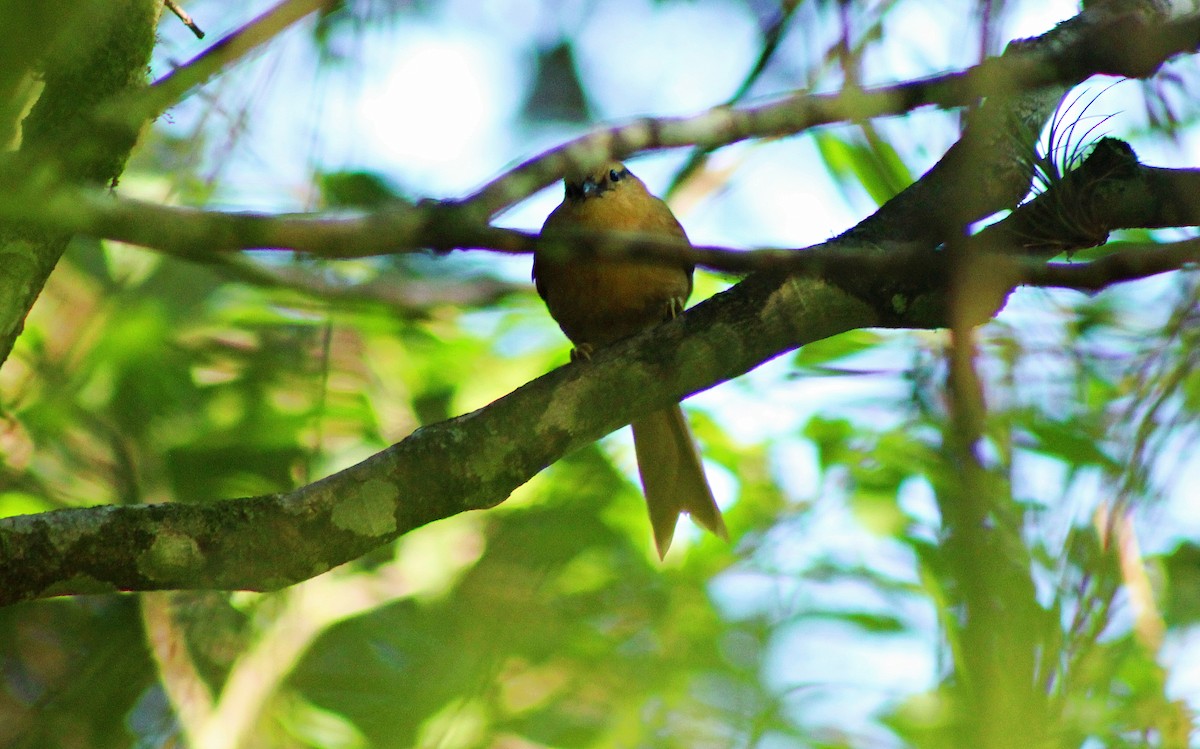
(581, 352)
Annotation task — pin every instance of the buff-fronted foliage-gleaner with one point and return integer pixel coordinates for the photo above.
(599, 301)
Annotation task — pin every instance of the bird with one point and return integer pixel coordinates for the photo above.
(598, 301)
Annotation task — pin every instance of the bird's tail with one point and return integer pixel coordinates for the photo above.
(672, 476)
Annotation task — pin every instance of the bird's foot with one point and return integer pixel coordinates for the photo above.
(582, 352)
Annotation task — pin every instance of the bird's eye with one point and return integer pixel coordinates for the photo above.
(614, 175)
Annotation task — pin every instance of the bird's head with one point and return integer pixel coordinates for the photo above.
(582, 185)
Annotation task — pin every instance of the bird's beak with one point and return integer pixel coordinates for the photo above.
(590, 187)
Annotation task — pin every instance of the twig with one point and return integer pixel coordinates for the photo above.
(149, 103)
(1132, 262)
(182, 15)
(772, 35)
(404, 297)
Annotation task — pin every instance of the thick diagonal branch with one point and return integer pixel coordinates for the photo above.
(470, 462)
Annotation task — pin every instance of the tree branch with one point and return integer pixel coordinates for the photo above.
(136, 109)
(406, 298)
(1132, 262)
(184, 18)
(1062, 57)
(1110, 190)
(425, 477)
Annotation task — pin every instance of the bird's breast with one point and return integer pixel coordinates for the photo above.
(598, 302)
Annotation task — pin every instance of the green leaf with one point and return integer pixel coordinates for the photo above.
(20, 503)
(1072, 441)
(874, 166)
(357, 189)
(815, 358)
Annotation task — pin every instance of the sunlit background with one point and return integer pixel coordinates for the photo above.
(815, 626)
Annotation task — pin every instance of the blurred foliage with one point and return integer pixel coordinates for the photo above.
(877, 591)
(556, 93)
(357, 189)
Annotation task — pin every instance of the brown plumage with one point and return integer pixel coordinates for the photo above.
(596, 302)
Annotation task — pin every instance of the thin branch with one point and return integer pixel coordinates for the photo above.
(256, 677)
(192, 232)
(135, 109)
(1070, 53)
(403, 297)
(1111, 186)
(182, 15)
(772, 35)
(1133, 261)
(995, 658)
